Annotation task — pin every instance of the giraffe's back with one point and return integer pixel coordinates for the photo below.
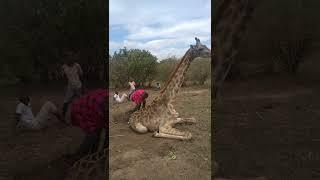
(150, 116)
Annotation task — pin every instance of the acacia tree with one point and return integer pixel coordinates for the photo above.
(142, 65)
(135, 63)
(37, 31)
(118, 68)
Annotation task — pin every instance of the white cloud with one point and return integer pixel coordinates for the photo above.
(162, 48)
(199, 27)
(114, 45)
(165, 28)
(149, 12)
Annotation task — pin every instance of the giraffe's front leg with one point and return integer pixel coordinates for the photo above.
(173, 112)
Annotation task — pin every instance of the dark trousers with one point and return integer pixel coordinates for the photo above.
(90, 143)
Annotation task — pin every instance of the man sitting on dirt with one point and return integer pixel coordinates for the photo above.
(139, 97)
(26, 120)
(117, 98)
(74, 73)
(88, 113)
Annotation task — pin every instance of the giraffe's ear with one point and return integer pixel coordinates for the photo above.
(197, 41)
(191, 46)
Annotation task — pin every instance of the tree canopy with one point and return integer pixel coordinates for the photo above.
(135, 63)
(142, 66)
(35, 33)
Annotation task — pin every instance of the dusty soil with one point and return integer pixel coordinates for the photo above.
(269, 127)
(34, 155)
(140, 156)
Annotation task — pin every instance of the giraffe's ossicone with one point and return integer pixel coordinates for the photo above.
(160, 116)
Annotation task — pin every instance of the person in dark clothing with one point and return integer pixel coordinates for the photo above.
(89, 113)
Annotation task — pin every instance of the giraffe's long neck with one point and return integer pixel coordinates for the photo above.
(231, 19)
(170, 90)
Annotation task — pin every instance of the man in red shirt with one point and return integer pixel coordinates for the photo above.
(89, 113)
(139, 98)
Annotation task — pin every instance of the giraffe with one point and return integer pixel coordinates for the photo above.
(160, 116)
(230, 20)
(92, 166)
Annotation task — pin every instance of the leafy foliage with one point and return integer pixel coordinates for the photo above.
(165, 67)
(37, 32)
(289, 56)
(199, 71)
(137, 64)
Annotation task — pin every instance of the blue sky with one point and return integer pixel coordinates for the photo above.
(164, 27)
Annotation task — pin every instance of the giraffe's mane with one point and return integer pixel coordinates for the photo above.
(174, 72)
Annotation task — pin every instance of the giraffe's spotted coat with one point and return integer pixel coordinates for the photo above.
(160, 116)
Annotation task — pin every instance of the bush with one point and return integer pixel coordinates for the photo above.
(165, 68)
(199, 71)
(289, 56)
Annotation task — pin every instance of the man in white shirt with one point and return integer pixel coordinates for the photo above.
(44, 118)
(73, 72)
(117, 98)
(132, 85)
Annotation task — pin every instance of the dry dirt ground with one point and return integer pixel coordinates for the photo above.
(269, 127)
(135, 156)
(34, 155)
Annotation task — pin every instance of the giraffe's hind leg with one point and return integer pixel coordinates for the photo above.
(168, 131)
(171, 136)
(183, 120)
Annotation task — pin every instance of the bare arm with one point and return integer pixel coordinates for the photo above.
(63, 73)
(144, 103)
(79, 70)
(137, 107)
(62, 70)
(18, 116)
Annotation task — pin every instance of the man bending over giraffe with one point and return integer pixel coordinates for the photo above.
(88, 113)
(26, 120)
(139, 98)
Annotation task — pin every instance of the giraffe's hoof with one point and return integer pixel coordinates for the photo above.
(192, 120)
(188, 136)
(155, 134)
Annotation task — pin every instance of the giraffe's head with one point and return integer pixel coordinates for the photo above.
(199, 50)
